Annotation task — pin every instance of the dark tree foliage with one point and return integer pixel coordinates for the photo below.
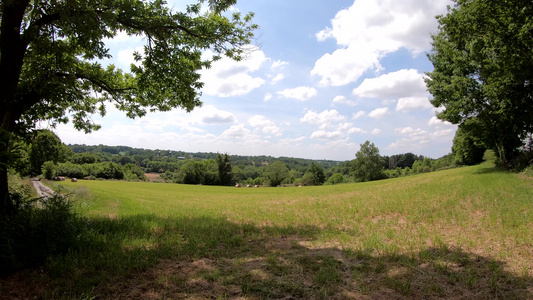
(224, 169)
(483, 71)
(315, 175)
(468, 148)
(402, 160)
(276, 173)
(368, 164)
(46, 146)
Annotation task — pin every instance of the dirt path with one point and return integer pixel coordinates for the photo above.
(42, 190)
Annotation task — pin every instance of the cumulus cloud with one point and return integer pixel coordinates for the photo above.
(376, 131)
(358, 114)
(324, 119)
(278, 64)
(336, 70)
(370, 30)
(218, 117)
(205, 115)
(379, 113)
(227, 77)
(434, 121)
(327, 135)
(264, 125)
(349, 128)
(331, 125)
(412, 132)
(400, 84)
(302, 93)
(294, 141)
(413, 103)
(209, 115)
(236, 132)
(267, 97)
(412, 139)
(343, 100)
(277, 78)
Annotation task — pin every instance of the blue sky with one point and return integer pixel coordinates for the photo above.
(324, 77)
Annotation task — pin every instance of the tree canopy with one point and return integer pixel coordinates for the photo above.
(51, 54)
(315, 175)
(483, 71)
(467, 149)
(46, 146)
(276, 173)
(368, 164)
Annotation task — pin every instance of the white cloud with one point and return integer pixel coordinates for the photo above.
(324, 119)
(227, 77)
(394, 85)
(123, 37)
(219, 118)
(262, 124)
(413, 103)
(379, 113)
(376, 131)
(209, 114)
(278, 64)
(356, 130)
(413, 133)
(358, 114)
(236, 132)
(295, 141)
(343, 100)
(349, 128)
(434, 121)
(370, 30)
(302, 93)
(278, 78)
(415, 139)
(125, 57)
(337, 69)
(327, 135)
(205, 115)
(267, 97)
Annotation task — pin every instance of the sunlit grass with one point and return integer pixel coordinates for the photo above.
(452, 233)
(470, 208)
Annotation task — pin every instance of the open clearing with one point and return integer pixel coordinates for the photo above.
(456, 234)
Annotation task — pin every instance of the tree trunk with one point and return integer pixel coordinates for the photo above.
(12, 48)
(6, 205)
(501, 154)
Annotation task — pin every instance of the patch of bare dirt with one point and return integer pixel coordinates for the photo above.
(154, 177)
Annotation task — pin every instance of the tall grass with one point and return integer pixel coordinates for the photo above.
(461, 233)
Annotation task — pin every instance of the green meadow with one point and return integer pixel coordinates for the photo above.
(462, 233)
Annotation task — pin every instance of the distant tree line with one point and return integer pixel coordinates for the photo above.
(45, 154)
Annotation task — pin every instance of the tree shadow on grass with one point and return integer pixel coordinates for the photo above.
(148, 257)
(491, 170)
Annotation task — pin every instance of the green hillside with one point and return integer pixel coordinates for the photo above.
(461, 233)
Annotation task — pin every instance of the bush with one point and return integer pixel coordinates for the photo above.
(37, 230)
(336, 179)
(133, 172)
(71, 170)
(49, 170)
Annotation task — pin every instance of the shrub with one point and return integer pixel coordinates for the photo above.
(37, 230)
(336, 179)
(49, 170)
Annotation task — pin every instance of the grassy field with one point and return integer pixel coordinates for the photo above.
(463, 234)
